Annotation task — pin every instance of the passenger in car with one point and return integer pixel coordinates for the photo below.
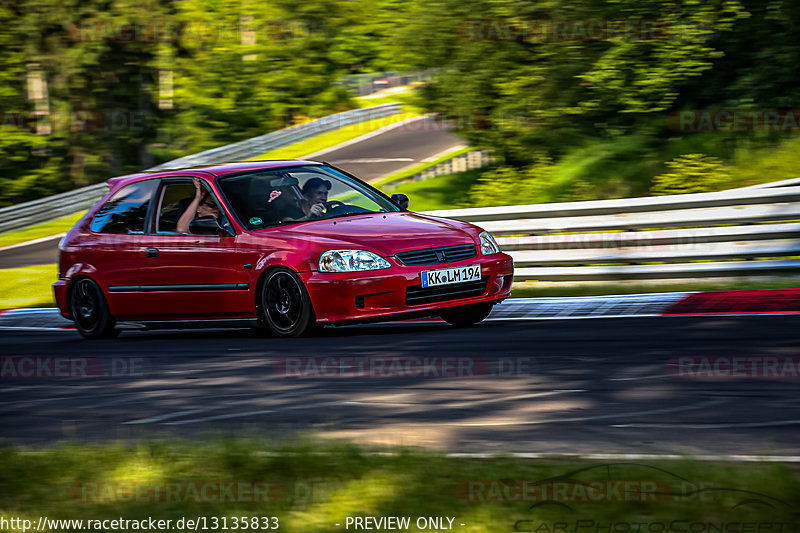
(202, 205)
(315, 194)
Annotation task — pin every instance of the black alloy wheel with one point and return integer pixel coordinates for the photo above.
(285, 304)
(90, 311)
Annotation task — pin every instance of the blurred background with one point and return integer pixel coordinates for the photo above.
(574, 100)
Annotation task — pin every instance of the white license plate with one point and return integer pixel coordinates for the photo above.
(446, 276)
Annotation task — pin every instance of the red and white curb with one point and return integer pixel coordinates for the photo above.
(764, 301)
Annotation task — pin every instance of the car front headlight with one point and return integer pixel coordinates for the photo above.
(351, 261)
(488, 244)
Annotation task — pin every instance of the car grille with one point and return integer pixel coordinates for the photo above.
(437, 256)
(417, 295)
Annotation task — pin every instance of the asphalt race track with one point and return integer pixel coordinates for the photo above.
(404, 145)
(40, 253)
(601, 385)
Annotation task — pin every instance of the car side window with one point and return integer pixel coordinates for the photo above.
(126, 210)
(175, 199)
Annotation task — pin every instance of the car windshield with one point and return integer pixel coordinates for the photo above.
(298, 194)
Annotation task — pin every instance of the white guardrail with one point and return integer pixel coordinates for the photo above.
(743, 232)
(46, 209)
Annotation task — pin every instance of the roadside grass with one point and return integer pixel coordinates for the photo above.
(386, 181)
(30, 286)
(544, 289)
(46, 229)
(331, 138)
(409, 98)
(313, 487)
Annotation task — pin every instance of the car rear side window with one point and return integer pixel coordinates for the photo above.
(125, 212)
(176, 198)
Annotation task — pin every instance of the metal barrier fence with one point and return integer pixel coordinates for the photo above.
(743, 232)
(46, 209)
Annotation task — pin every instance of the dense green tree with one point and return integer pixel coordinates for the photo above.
(125, 85)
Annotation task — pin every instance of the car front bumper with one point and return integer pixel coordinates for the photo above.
(364, 296)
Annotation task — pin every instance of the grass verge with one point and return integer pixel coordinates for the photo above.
(310, 488)
(386, 181)
(409, 99)
(331, 138)
(54, 227)
(30, 286)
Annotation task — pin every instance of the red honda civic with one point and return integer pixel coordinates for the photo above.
(283, 245)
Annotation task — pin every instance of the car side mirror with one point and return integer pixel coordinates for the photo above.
(401, 200)
(207, 226)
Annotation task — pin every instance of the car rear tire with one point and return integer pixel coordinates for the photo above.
(90, 311)
(467, 315)
(285, 305)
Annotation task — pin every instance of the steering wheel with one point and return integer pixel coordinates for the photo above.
(332, 205)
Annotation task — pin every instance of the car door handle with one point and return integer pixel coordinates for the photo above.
(152, 252)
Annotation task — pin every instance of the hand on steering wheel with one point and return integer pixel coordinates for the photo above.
(316, 210)
(321, 208)
(332, 204)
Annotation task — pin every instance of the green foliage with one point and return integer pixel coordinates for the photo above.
(129, 85)
(691, 173)
(510, 186)
(614, 169)
(316, 485)
(443, 192)
(568, 96)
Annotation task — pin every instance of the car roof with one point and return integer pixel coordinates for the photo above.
(212, 171)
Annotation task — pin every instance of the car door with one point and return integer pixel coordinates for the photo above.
(112, 250)
(186, 275)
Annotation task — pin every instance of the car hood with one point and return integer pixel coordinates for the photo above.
(387, 233)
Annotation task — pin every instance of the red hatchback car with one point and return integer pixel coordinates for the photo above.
(286, 245)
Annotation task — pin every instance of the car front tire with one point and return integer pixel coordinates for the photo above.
(90, 311)
(467, 315)
(285, 305)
